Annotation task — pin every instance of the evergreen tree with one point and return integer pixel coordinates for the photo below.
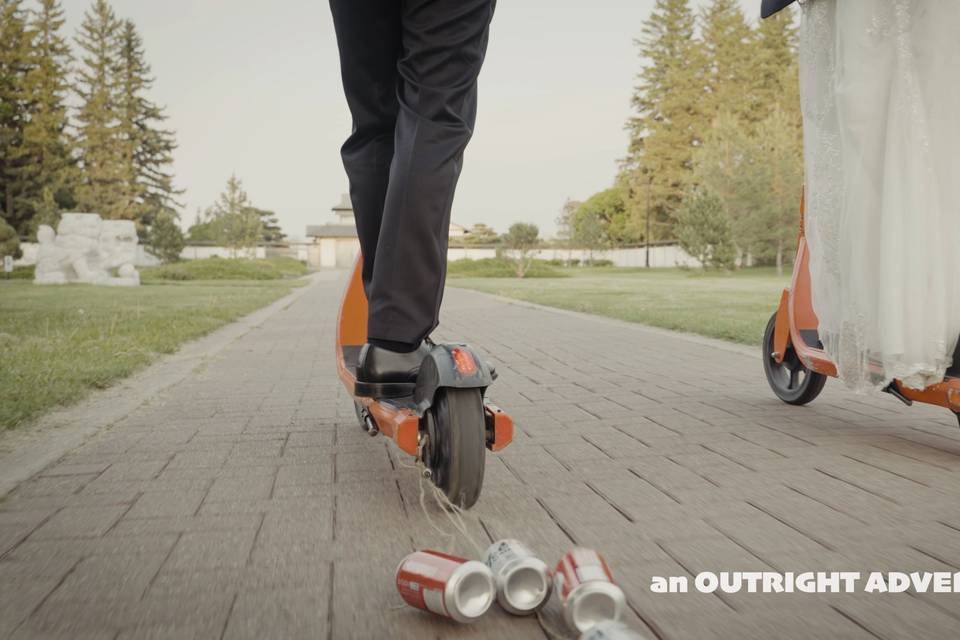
(104, 186)
(146, 147)
(566, 221)
(777, 82)
(728, 53)
(9, 241)
(233, 221)
(780, 158)
(165, 238)
(46, 167)
(727, 166)
(14, 60)
(270, 225)
(668, 102)
(703, 231)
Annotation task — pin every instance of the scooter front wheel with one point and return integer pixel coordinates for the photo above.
(790, 379)
(456, 444)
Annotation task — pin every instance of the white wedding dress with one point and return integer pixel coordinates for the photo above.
(880, 87)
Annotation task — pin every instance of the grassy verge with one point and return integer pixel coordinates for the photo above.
(59, 342)
(226, 269)
(732, 307)
(500, 268)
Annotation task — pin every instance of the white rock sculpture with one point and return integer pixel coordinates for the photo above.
(88, 249)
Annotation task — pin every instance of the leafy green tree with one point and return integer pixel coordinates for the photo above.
(728, 53)
(46, 167)
(165, 239)
(147, 147)
(481, 234)
(9, 241)
(523, 238)
(668, 105)
(105, 185)
(703, 231)
(14, 61)
(609, 208)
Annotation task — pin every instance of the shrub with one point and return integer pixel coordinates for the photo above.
(9, 241)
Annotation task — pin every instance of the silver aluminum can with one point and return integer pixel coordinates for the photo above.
(447, 585)
(523, 579)
(586, 589)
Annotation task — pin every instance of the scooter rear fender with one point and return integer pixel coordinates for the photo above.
(453, 366)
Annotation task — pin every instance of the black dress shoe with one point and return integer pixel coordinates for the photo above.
(382, 373)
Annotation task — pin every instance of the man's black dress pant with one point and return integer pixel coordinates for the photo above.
(409, 72)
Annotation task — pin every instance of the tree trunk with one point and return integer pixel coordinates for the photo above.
(780, 257)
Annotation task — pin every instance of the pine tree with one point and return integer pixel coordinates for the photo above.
(104, 186)
(14, 47)
(703, 230)
(776, 71)
(780, 157)
(668, 101)
(232, 220)
(147, 148)
(46, 167)
(270, 224)
(727, 166)
(165, 238)
(728, 52)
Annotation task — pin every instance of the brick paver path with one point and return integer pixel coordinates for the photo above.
(244, 502)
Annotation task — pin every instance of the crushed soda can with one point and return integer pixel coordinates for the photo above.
(611, 630)
(586, 589)
(449, 586)
(522, 579)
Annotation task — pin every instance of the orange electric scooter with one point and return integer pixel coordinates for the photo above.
(795, 363)
(447, 423)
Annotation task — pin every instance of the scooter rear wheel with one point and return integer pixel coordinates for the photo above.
(456, 444)
(790, 380)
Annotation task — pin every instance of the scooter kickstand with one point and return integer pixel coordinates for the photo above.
(894, 390)
(368, 424)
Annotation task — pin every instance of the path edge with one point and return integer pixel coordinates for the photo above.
(31, 448)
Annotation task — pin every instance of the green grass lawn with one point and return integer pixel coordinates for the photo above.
(59, 342)
(733, 307)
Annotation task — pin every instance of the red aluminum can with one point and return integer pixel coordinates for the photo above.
(449, 586)
(587, 591)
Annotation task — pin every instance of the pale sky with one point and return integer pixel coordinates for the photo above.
(253, 87)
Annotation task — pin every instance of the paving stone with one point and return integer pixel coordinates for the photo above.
(79, 522)
(244, 501)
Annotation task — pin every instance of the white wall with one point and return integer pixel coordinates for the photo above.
(660, 256)
(331, 253)
(199, 253)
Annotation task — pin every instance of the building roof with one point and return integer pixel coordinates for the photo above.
(331, 231)
(344, 204)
